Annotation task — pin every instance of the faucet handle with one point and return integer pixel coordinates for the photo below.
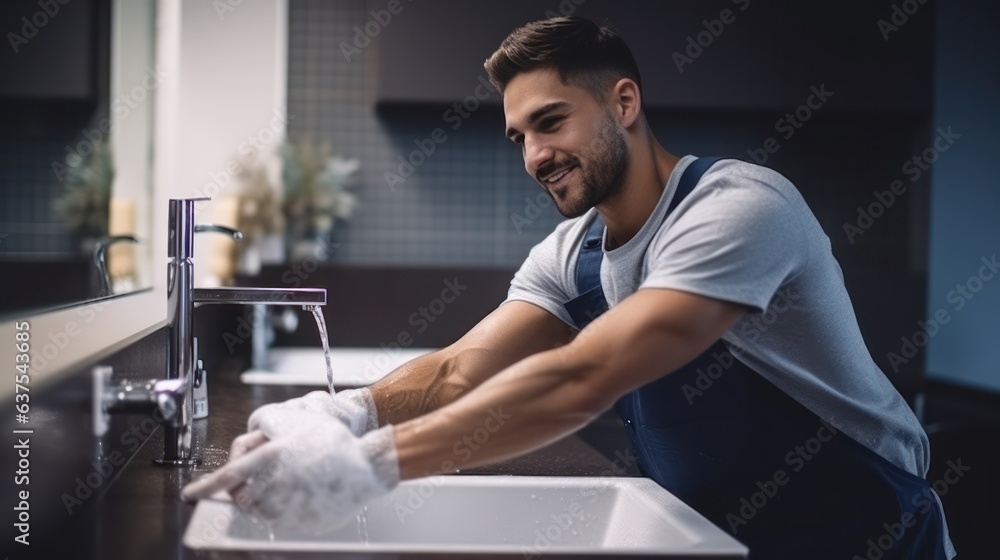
(234, 233)
(169, 394)
(100, 258)
(135, 395)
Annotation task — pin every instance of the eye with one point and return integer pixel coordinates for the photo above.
(549, 124)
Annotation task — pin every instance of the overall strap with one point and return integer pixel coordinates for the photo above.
(591, 303)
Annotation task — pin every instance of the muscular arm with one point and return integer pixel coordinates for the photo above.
(509, 334)
(556, 391)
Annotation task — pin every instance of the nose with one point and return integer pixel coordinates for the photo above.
(536, 153)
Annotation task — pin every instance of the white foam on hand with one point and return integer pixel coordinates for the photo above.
(304, 470)
(355, 408)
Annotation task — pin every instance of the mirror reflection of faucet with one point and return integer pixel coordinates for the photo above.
(101, 262)
(181, 395)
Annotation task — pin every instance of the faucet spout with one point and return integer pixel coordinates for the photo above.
(182, 359)
(265, 296)
(234, 233)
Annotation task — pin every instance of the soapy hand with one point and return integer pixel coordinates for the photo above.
(355, 408)
(304, 470)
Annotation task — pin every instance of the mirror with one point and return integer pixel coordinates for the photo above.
(76, 141)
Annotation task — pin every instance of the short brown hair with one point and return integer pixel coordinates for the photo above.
(582, 53)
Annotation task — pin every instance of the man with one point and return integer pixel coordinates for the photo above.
(729, 345)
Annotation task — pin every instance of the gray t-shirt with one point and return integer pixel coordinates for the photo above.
(746, 235)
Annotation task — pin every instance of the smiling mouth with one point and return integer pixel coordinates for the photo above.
(558, 176)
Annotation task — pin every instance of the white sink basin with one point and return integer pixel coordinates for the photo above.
(351, 366)
(525, 516)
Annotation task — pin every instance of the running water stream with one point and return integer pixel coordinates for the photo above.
(317, 312)
(363, 525)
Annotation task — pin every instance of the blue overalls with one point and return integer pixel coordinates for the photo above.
(756, 462)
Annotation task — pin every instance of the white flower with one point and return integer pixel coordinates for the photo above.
(339, 168)
(323, 222)
(346, 203)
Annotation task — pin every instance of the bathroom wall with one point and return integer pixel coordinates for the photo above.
(213, 82)
(230, 104)
(463, 204)
(966, 195)
(456, 208)
(462, 207)
(40, 122)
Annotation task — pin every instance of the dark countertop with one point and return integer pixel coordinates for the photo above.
(142, 516)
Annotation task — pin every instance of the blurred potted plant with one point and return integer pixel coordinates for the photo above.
(315, 194)
(84, 204)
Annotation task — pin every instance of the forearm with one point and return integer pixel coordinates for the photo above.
(553, 393)
(416, 387)
(528, 405)
(432, 381)
(512, 332)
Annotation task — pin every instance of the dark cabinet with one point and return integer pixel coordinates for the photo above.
(49, 50)
(727, 54)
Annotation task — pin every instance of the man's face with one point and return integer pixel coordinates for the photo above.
(570, 141)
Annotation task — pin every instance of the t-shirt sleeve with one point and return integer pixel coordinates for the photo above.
(540, 280)
(736, 239)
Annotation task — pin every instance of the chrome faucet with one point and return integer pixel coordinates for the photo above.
(101, 260)
(174, 395)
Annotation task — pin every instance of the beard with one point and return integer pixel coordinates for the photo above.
(602, 171)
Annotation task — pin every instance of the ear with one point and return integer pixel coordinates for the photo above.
(626, 101)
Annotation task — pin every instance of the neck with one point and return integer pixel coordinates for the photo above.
(646, 176)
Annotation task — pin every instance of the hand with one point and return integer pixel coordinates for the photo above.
(355, 408)
(304, 470)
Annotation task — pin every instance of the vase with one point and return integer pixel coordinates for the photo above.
(250, 260)
(272, 249)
